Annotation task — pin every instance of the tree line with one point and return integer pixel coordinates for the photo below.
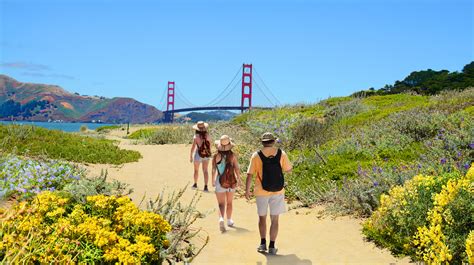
(427, 82)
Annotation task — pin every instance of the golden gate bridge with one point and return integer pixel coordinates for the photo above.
(244, 85)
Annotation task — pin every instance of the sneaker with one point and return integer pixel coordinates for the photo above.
(195, 186)
(230, 222)
(205, 189)
(221, 225)
(262, 248)
(272, 251)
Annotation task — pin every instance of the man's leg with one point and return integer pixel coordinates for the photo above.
(277, 207)
(262, 208)
(274, 227)
(262, 226)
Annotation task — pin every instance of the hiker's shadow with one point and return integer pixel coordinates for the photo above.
(284, 259)
(240, 230)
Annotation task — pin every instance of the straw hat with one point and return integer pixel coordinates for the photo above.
(267, 137)
(200, 126)
(224, 143)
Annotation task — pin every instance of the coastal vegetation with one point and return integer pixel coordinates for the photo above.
(403, 161)
(57, 215)
(34, 141)
(352, 154)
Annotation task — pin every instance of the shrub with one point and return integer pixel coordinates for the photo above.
(83, 128)
(53, 144)
(107, 128)
(450, 221)
(185, 242)
(24, 178)
(428, 218)
(142, 134)
(82, 188)
(52, 229)
(402, 211)
(164, 134)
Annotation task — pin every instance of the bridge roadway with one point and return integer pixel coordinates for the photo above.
(169, 116)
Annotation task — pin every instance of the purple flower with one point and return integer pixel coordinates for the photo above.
(419, 165)
(471, 145)
(376, 183)
(466, 166)
(459, 154)
(443, 161)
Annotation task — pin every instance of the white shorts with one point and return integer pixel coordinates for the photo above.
(219, 188)
(275, 202)
(199, 159)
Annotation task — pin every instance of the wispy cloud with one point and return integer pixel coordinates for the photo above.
(25, 66)
(36, 74)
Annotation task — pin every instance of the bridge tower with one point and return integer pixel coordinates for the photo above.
(169, 114)
(246, 86)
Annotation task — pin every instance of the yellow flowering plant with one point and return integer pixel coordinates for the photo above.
(402, 211)
(51, 228)
(451, 220)
(429, 218)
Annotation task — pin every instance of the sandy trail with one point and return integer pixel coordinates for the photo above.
(303, 238)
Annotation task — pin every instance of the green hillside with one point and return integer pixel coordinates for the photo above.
(362, 141)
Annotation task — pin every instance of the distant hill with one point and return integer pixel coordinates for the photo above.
(39, 102)
(218, 115)
(427, 82)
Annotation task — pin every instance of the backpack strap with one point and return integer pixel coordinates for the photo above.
(278, 155)
(223, 158)
(264, 158)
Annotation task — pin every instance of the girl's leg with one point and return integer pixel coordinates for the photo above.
(205, 170)
(221, 202)
(229, 198)
(196, 171)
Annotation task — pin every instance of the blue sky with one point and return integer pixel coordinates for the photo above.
(304, 50)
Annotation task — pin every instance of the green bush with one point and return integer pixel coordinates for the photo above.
(107, 128)
(402, 211)
(80, 189)
(53, 144)
(428, 218)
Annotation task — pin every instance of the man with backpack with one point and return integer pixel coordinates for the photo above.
(268, 166)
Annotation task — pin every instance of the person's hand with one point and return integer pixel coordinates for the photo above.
(213, 183)
(191, 159)
(248, 194)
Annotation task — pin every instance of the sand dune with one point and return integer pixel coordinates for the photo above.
(303, 238)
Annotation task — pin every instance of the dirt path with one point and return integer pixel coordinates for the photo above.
(303, 238)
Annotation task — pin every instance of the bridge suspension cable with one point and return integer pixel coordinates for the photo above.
(268, 89)
(183, 98)
(218, 98)
(236, 85)
(162, 100)
(263, 92)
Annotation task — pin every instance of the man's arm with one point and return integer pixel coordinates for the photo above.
(286, 165)
(248, 182)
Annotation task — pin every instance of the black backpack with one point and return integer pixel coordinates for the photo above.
(272, 179)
